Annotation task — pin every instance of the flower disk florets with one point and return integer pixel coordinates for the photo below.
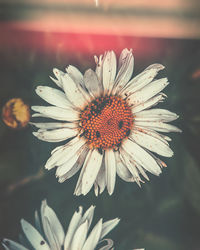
(106, 121)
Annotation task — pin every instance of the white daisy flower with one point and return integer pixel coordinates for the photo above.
(108, 123)
(48, 233)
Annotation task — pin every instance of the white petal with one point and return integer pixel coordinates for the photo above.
(78, 188)
(75, 74)
(108, 226)
(93, 237)
(55, 135)
(92, 83)
(57, 149)
(129, 162)
(141, 156)
(55, 156)
(53, 96)
(73, 92)
(75, 168)
(123, 57)
(52, 226)
(158, 126)
(35, 238)
(58, 73)
(126, 62)
(70, 173)
(110, 166)
(101, 179)
(151, 143)
(71, 148)
(96, 189)
(147, 92)
(109, 70)
(72, 227)
(167, 138)
(12, 245)
(57, 113)
(88, 215)
(160, 163)
(151, 102)
(142, 79)
(37, 222)
(99, 67)
(108, 245)
(141, 170)
(58, 83)
(67, 166)
(161, 115)
(152, 133)
(79, 237)
(64, 153)
(91, 165)
(54, 125)
(122, 170)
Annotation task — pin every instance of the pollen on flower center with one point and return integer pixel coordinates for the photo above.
(106, 121)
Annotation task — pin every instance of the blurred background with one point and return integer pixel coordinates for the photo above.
(39, 35)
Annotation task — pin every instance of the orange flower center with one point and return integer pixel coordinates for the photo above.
(106, 121)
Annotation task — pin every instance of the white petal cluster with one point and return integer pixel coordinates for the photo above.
(48, 233)
(135, 155)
